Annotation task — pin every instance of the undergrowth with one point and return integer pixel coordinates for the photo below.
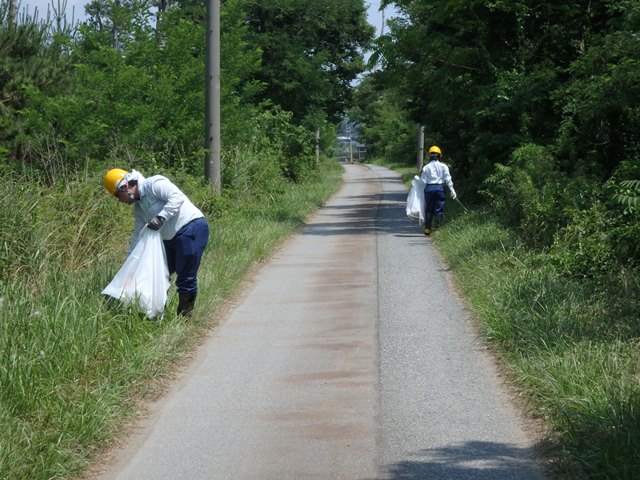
(73, 366)
(571, 345)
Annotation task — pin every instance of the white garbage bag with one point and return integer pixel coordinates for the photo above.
(415, 200)
(144, 276)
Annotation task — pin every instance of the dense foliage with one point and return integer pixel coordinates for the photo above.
(536, 107)
(126, 87)
(329, 35)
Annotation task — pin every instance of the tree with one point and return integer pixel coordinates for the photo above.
(142, 99)
(311, 52)
(487, 77)
(383, 123)
(30, 61)
(601, 115)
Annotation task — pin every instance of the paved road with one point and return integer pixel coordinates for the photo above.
(334, 366)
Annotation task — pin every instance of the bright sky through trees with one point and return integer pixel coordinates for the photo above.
(77, 7)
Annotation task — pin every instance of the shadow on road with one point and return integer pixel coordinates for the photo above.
(469, 461)
(367, 214)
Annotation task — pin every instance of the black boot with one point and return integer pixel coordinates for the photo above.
(185, 303)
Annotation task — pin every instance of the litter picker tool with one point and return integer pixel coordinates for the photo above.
(463, 207)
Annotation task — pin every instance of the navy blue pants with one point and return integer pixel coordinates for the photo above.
(184, 253)
(434, 200)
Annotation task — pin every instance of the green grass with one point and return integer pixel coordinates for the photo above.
(73, 367)
(571, 347)
(562, 341)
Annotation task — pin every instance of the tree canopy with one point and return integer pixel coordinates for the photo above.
(486, 77)
(311, 53)
(535, 105)
(127, 83)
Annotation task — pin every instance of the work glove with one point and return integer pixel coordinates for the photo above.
(453, 195)
(155, 223)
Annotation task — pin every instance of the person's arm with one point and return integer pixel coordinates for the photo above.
(447, 179)
(424, 174)
(172, 195)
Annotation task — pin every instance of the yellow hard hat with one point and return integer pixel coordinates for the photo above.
(435, 149)
(112, 178)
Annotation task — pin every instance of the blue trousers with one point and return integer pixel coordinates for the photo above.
(184, 253)
(434, 200)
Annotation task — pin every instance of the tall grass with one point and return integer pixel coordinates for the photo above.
(572, 346)
(73, 365)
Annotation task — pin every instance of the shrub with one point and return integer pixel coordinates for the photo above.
(598, 242)
(583, 248)
(525, 194)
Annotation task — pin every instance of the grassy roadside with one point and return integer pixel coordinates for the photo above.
(571, 346)
(73, 368)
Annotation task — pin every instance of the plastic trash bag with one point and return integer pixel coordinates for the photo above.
(144, 276)
(415, 200)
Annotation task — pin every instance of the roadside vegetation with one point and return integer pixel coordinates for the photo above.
(534, 105)
(74, 366)
(571, 345)
(125, 89)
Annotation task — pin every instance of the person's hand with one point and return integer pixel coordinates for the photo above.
(155, 223)
(454, 196)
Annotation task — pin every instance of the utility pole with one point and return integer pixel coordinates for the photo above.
(350, 149)
(212, 96)
(420, 159)
(317, 145)
(13, 10)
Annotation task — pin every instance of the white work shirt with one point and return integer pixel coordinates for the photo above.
(437, 173)
(159, 196)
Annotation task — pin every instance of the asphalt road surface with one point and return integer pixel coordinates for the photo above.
(348, 357)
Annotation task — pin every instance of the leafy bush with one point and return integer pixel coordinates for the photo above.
(600, 239)
(570, 344)
(525, 194)
(631, 193)
(624, 189)
(583, 248)
(292, 146)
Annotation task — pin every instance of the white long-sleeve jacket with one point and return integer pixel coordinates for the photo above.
(159, 196)
(436, 172)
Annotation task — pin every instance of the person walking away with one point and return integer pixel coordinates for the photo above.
(435, 175)
(158, 204)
